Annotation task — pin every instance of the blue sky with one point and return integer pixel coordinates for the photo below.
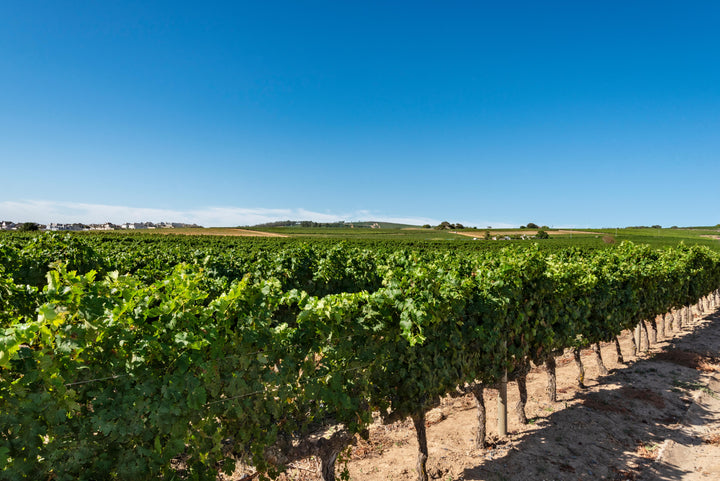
(584, 114)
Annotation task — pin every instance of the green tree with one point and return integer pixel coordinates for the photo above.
(28, 226)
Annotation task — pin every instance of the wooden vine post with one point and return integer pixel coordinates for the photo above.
(661, 326)
(502, 399)
(645, 336)
(477, 391)
(620, 359)
(581, 368)
(550, 366)
(598, 357)
(636, 340)
(502, 405)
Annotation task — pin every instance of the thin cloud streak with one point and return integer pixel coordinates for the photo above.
(43, 211)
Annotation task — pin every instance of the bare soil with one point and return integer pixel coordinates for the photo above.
(654, 417)
(221, 232)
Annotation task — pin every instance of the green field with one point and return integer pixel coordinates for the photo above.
(592, 238)
(654, 237)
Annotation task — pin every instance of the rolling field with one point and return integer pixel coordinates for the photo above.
(470, 239)
(708, 236)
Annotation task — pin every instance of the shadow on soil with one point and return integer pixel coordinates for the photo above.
(619, 426)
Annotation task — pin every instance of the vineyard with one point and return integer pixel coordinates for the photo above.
(128, 357)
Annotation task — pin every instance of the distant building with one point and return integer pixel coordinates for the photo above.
(66, 227)
(105, 226)
(133, 225)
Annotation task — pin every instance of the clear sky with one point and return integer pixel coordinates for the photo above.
(576, 113)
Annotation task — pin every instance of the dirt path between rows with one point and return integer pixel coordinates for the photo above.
(654, 417)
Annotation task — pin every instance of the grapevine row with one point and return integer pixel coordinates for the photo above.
(137, 376)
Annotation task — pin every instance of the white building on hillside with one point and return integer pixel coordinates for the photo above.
(133, 225)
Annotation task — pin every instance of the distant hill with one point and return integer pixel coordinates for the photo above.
(334, 225)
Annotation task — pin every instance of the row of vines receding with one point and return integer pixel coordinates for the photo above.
(121, 362)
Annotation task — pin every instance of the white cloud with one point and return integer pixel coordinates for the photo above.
(43, 211)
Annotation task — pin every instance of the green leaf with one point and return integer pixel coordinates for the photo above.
(46, 313)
